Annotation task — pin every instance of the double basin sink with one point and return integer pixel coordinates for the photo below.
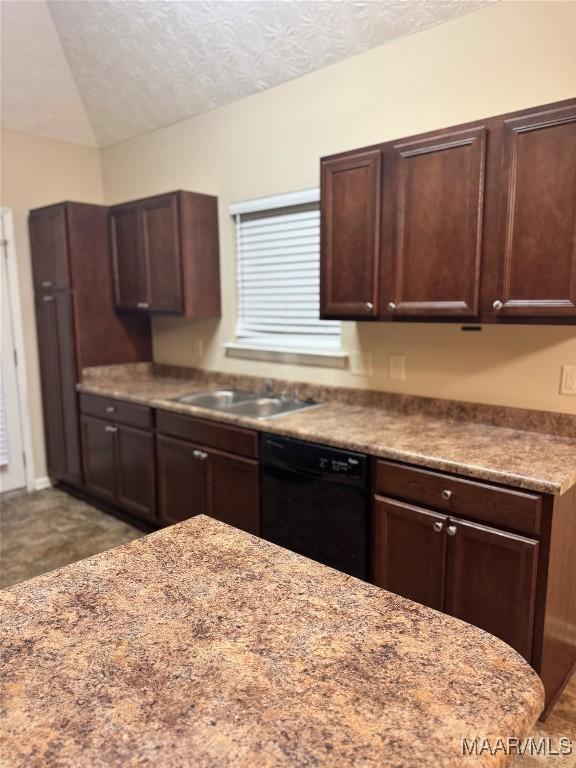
(246, 403)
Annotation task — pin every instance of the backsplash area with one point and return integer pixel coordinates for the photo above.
(516, 418)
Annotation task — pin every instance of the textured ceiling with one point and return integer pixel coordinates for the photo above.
(141, 65)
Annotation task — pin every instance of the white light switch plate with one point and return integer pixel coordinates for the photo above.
(198, 349)
(568, 380)
(397, 367)
(360, 365)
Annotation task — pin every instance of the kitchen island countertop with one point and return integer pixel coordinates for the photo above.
(203, 646)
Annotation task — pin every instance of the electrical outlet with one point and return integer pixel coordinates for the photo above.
(197, 349)
(397, 367)
(360, 365)
(568, 380)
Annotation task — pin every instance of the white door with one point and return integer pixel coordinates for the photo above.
(12, 466)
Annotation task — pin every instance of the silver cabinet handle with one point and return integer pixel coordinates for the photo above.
(110, 409)
(143, 305)
(202, 455)
(446, 495)
(369, 306)
(437, 527)
(46, 283)
(47, 298)
(110, 429)
(391, 306)
(451, 530)
(497, 305)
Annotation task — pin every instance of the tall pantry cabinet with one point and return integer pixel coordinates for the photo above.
(76, 321)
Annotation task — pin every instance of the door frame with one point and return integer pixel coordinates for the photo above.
(7, 236)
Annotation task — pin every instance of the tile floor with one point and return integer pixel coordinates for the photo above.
(48, 529)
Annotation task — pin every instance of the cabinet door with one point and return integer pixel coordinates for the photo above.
(58, 379)
(409, 551)
(49, 248)
(433, 208)
(130, 271)
(538, 208)
(350, 235)
(162, 249)
(492, 581)
(234, 491)
(99, 454)
(136, 481)
(182, 480)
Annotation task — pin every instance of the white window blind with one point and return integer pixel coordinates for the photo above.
(278, 256)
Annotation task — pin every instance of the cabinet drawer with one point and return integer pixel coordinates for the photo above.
(119, 411)
(517, 510)
(227, 438)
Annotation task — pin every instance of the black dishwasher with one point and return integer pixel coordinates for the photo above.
(315, 501)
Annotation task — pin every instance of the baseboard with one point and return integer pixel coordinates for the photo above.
(41, 483)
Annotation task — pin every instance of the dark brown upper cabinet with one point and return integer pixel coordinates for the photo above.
(166, 255)
(537, 237)
(49, 245)
(432, 225)
(350, 263)
(474, 222)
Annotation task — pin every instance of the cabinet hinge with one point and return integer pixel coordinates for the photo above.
(24, 458)
(15, 358)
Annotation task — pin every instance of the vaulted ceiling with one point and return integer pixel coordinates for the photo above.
(102, 72)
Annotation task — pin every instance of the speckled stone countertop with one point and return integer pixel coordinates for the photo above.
(525, 459)
(203, 646)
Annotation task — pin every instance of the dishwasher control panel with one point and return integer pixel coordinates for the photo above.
(309, 457)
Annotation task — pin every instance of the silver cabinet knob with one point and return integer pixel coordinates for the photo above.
(143, 305)
(202, 455)
(497, 305)
(47, 298)
(110, 409)
(391, 306)
(437, 527)
(446, 495)
(369, 306)
(451, 530)
(46, 283)
(110, 429)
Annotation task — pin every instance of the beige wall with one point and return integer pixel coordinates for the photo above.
(37, 171)
(509, 56)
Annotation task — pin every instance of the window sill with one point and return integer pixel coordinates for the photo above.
(317, 357)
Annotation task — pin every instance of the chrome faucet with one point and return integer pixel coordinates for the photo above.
(268, 387)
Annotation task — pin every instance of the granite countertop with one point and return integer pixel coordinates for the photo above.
(535, 461)
(203, 646)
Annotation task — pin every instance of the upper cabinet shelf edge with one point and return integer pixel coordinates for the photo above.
(473, 223)
(165, 252)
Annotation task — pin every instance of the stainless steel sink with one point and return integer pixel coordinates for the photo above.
(219, 400)
(246, 403)
(265, 407)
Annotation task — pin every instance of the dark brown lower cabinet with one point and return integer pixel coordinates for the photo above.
(195, 480)
(410, 552)
(480, 574)
(181, 480)
(58, 374)
(119, 465)
(98, 445)
(234, 491)
(136, 470)
(491, 581)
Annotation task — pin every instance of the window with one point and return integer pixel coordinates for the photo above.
(278, 278)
